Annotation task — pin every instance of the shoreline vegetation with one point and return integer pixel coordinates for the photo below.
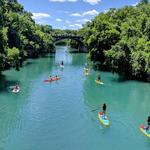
(117, 40)
(20, 36)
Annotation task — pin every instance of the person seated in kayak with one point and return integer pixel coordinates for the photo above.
(86, 70)
(148, 122)
(104, 108)
(16, 87)
(50, 78)
(55, 78)
(99, 78)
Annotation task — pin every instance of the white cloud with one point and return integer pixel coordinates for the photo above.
(83, 20)
(78, 25)
(61, 1)
(91, 13)
(37, 16)
(71, 25)
(76, 14)
(135, 4)
(86, 13)
(67, 21)
(75, 26)
(58, 20)
(92, 2)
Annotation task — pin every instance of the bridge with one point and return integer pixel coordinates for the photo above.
(77, 38)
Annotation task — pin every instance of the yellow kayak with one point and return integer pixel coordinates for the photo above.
(143, 130)
(86, 71)
(103, 119)
(99, 82)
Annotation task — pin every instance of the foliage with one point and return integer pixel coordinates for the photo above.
(20, 36)
(120, 40)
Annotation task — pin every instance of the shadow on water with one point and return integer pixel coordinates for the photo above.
(28, 63)
(52, 55)
(119, 79)
(5, 84)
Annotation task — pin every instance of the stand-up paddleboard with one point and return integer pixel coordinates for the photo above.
(103, 119)
(99, 82)
(143, 130)
(16, 90)
(62, 66)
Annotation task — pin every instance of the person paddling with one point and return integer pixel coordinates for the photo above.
(104, 108)
(62, 63)
(148, 124)
(99, 78)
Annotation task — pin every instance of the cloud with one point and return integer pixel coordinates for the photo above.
(92, 2)
(75, 26)
(76, 14)
(83, 20)
(67, 21)
(37, 16)
(91, 13)
(135, 4)
(78, 25)
(61, 1)
(86, 13)
(58, 20)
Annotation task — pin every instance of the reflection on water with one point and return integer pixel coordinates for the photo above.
(59, 115)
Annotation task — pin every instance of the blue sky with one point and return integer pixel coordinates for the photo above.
(70, 14)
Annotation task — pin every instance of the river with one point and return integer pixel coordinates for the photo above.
(59, 116)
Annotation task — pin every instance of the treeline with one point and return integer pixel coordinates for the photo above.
(20, 36)
(119, 40)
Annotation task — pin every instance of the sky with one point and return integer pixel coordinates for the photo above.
(70, 14)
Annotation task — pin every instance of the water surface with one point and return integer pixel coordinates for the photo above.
(59, 115)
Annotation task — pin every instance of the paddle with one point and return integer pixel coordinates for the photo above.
(97, 108)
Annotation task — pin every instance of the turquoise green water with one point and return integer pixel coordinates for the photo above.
(59, 116)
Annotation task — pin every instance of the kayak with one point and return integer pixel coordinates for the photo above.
(16, 90)
(86, 73)
(103, 119)
(143, 130)
(99, 82)
(52, 79)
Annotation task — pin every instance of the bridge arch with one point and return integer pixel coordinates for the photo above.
(79, 39)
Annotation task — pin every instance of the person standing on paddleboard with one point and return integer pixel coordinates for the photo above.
(62, 63)
(99, 78)
(104, 108)
(148, 122)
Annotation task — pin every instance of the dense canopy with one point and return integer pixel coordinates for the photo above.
(119, 40)
(20, 36)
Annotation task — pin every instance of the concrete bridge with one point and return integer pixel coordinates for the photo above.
(77, 38)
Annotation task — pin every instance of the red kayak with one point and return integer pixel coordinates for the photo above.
(52, 79)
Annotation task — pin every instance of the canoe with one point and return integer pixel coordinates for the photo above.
(103, 119)
(99, 82)
(143, 130)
